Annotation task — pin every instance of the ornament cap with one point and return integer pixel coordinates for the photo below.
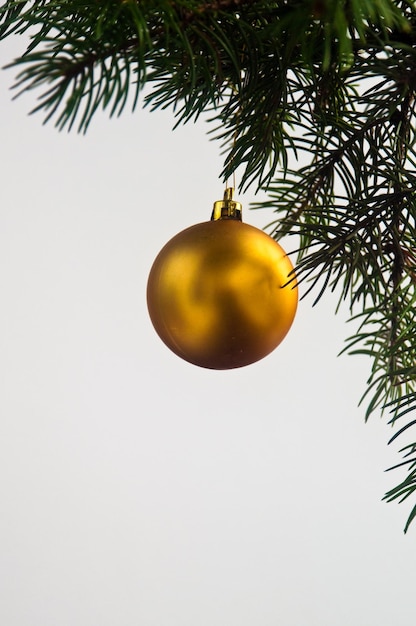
(227, 208)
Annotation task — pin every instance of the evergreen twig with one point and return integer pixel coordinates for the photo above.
(322, 91)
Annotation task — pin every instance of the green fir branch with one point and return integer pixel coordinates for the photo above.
(313, 101)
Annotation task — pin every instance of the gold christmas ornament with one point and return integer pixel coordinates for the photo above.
(218, 293)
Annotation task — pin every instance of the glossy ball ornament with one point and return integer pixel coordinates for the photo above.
(218, 292)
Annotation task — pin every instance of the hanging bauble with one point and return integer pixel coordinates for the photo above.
(222, 294)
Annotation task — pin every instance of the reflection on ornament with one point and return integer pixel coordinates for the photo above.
(218, 293)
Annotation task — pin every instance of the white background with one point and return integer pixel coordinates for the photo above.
(139, 490)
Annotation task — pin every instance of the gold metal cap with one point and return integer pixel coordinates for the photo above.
(228, 208)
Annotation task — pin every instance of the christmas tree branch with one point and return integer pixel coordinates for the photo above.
(322, 91)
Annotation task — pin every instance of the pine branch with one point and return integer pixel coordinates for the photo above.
(327, 84)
